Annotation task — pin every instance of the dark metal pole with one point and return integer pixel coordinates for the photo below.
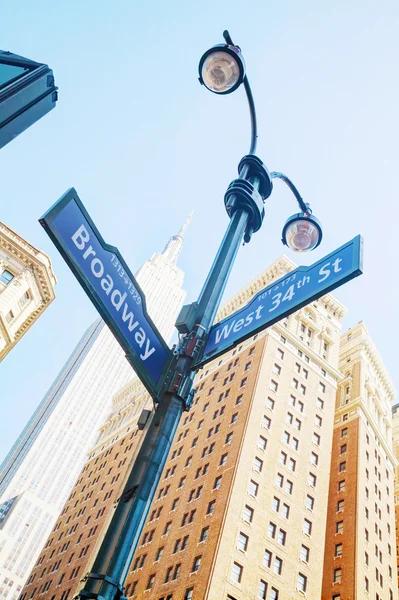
(113, 560)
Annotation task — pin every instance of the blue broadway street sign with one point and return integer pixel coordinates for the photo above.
(285, 296)
(107, 280)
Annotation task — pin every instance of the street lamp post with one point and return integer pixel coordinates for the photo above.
(222, 70)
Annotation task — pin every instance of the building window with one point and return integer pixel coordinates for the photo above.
(273, 385)
(223, 460)
(344, 432)
(217, 482)
(279, 480)
(302, 582)
(343, 449)
(285, 511)
(320, 403)
(167, 528)
(304, 554)
(318, 420)
(262, 443)
(339, 527)
(196, 564)
(242, 541)
(267, 558)
(307, 527)
(342, 466)
(280, 353)
(337, 575)
(278, 565)
(314, 458)
(309, 502)
(248, 514)
(281, 537)
(253, 488)
(289, 486)
(270, 403)
(9, 316)
(266, 422)
(150, 582)
(236, 572)
(258, 464)
(159, 553)
(271, 530)
(338, 550)
(6, 277)
(340, 505)
(274, 594)
(211, 507)
(316, 438)
(189, 594)
(277, 368)
(312, 479)
(262, 589)
(341, 485)
(24, 299)
(276, 504)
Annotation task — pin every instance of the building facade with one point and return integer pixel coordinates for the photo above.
(360, 553)
(241, 508)
(395, 442)
(42, 467)
(27, 285)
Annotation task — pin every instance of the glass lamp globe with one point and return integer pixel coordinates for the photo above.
(222, 69)
(302, 232)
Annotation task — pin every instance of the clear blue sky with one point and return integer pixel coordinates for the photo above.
(143, 143)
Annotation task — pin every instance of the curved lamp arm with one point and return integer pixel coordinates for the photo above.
(251, 103)
(305, 208)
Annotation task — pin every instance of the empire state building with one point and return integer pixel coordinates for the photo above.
(41, 468)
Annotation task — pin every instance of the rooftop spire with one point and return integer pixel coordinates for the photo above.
(186, 224)
(175, 244)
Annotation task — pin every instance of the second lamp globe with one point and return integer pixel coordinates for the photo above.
(302, 232)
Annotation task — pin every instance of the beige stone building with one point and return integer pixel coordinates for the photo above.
(360, 554)
(241, 508)
(395, 441)
(26, 287)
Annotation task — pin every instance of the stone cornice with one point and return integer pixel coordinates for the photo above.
(31, 258)
(379, 367)
(365, 346)
(327, 366)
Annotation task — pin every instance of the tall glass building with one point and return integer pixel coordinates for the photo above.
(41, 468)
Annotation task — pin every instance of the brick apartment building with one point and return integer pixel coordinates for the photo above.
(241, 508)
